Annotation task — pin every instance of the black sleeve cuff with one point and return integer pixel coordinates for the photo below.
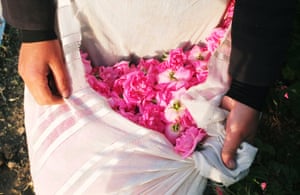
(252, 96)
(29, 36)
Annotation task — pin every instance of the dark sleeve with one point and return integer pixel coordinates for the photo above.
(260, 38)
(36, 18)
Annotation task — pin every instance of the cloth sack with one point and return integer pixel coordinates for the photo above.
(84, 147)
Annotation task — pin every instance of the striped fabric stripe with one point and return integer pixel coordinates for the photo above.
(79, 109)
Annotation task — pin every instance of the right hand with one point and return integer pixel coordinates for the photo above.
(38, 61)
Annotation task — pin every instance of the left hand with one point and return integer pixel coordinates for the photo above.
(241, 125)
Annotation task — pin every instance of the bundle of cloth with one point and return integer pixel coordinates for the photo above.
(85, 147)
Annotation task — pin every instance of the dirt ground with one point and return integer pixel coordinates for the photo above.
(14, 165)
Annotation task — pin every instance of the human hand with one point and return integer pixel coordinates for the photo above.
(241, 125)
(42, 67)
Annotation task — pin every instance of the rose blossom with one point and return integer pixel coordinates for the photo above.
(118, 86)
(107, 75)
(122, 67)
(163, 94)
(198, 53)
(149, 66)
(175, 78)
(187, 120)
(173, 131)
(187, 142)
(176, 58)
(214, 40)
(286, 95)
(152, 117)
(263, 186)
(137, 87)
(174, 110)
(87, 63)
(99, 86)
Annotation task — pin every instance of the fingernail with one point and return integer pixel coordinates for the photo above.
(231, 164)
(65, 94)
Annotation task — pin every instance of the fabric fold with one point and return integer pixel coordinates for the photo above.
(92, 149)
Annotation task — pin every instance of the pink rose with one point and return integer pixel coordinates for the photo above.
(175, 78)
(174, 110)
(198, 53)
(122, 67)
(214, 40)
(149, 66)
(118, 86)
(263, 186)
(172, 131)
(86, 63)
(187, 142)
(153, 117)
(99, 86)
(176, 58)
(137, 87)
(116, 102)
(187, 120)
(163, 94)
(107, 75)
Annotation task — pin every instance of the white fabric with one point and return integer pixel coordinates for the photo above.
(115, 29)
(84, 147)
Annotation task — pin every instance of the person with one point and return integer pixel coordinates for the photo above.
(260, 37)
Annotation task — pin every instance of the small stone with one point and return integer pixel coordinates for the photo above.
(11, 165)
(21, 130)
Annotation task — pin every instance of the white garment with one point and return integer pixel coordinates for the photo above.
(84, 147)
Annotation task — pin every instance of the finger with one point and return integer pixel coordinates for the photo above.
(232, 142)
(229, 152)
(60, 74)
(227, 103)
(41, 92)
(61, 78)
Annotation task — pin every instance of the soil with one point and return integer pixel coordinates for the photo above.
(14, 164)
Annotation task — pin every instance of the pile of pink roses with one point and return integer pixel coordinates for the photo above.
(148, 93)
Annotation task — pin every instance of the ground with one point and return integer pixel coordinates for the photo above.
(14, 164)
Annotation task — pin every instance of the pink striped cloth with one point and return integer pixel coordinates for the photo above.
(84, 147)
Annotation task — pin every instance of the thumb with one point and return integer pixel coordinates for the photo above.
(231, 144)
(241, 125)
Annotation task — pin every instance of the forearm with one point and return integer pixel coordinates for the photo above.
(260, 39)
(35, 18)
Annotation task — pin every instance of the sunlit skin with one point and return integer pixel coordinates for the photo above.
(241, 125)
(36, 61)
